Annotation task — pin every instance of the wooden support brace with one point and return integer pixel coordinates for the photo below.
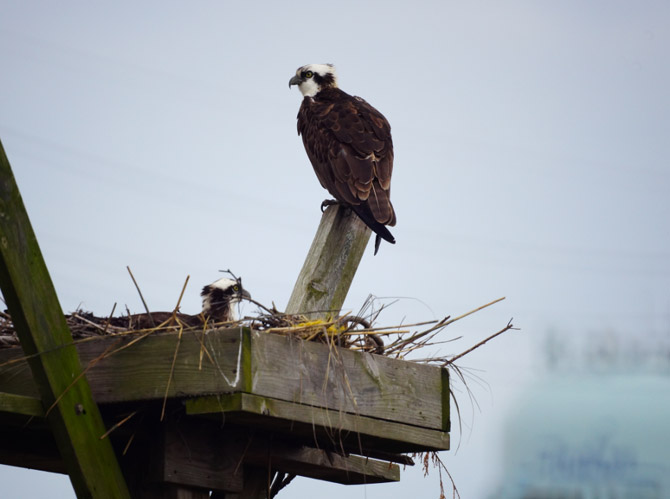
(353, 433)
(21, 404)
(237, 460)
(39, 322)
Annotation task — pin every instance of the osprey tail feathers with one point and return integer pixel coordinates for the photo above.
(364, 213)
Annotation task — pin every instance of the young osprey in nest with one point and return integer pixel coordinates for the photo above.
(349, 145)
(220, 299)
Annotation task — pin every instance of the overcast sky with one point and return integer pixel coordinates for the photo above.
(532, 161)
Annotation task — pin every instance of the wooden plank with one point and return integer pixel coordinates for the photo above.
(20, 404)
(206, 454)
(317, 426)
(349, 381)
(263, 364)
(142, 371)
(446, 400)
(41, 327)
(330, 266)
(321, 464)
(201, 455)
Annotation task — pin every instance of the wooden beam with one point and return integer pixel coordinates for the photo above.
(21, 404)
(321, 464)
(233, 459)
(330, 266)
(317, 426)
(38, 319)
(347, 381)
(267, 365)
(200, 454)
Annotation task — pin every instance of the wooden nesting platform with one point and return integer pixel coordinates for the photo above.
(237, 401)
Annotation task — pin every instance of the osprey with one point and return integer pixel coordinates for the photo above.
(349, 145)
(218, 305)
(220, 298)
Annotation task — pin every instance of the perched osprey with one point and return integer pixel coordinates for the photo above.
(220, 298)
(349, 145)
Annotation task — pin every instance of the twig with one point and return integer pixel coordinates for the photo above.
(91, 323)
(141, 297)
(174, 361)
(475, 310)
(506, 328)
(118, 424)
(176, 308)
(109, 319)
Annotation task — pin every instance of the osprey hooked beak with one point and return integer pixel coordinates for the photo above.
(296, 80)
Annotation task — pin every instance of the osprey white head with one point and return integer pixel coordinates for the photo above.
(220, 298)
(311, 78)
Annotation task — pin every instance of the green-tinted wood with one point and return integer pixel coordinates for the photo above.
(21, 404)
(446, 400)
(41, 327)
(330, 266)
(263, 364)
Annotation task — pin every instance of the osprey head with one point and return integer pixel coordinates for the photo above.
(220, 297)
(314, 77)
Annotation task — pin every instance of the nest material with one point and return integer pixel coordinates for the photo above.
(340, 331)
(346, 331)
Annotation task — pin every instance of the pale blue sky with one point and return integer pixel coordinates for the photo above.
(532, 162)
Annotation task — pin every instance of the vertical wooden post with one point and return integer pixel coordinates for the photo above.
(330, 265)
(45, 337)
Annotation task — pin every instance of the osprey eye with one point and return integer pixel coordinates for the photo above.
(235, 288)
(309, 74)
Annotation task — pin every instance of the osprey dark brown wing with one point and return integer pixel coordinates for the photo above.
(349, 145)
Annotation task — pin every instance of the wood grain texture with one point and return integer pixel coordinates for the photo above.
(142, 370)
(266, 365)
(227, 458)
(318, 426)
(201, 455)
(320, 464)
(20, 404)
(331, 263)
(38, 319)
(349, 381)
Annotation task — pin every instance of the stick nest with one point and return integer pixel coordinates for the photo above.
(349, 331)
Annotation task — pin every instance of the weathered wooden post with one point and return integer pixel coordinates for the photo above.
(330, 266)
(37, 316)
